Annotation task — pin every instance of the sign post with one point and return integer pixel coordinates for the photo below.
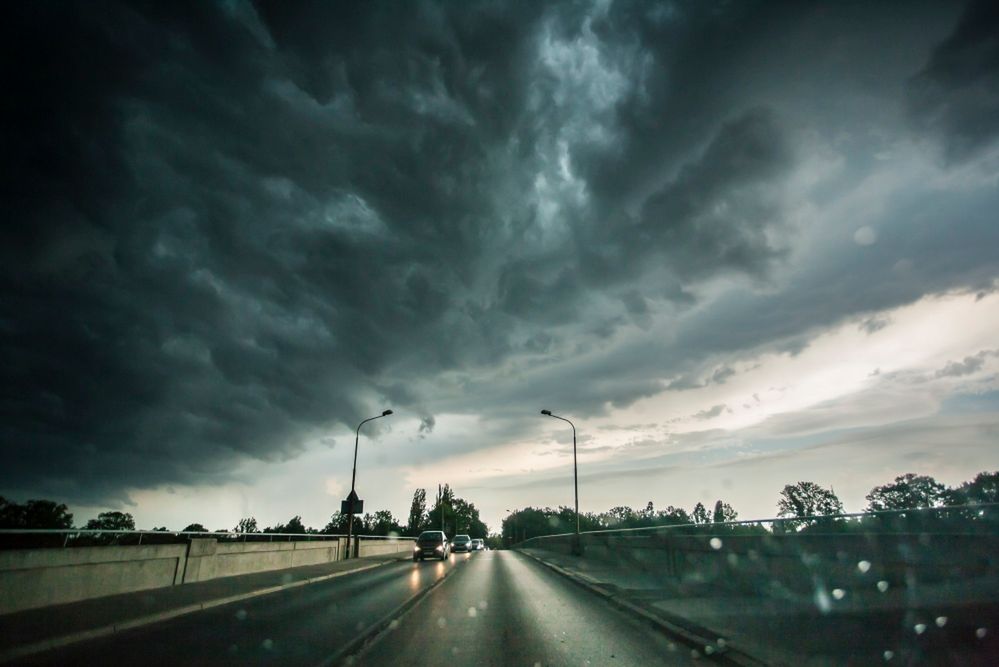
(351, 506)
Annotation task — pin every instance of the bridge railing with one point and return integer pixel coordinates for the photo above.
(795, 557)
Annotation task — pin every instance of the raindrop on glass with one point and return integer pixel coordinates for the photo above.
(241, 615)
(715, 543)
(864, 566)
(889, 655)
(267, 644)
(941, 621)
(838, 593)
(981, 632)
(882, 585)
(441, 622)
(920, 628)
(472, 612)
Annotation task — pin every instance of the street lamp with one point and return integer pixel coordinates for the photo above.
(577, 547)
(353, 478)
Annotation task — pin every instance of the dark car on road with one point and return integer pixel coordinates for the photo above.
(461, 543)
(431, 544)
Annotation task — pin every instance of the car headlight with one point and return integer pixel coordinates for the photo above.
(416, 548)
(440, 548)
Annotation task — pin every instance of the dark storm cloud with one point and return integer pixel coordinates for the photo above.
(956, 95)
(232, 227)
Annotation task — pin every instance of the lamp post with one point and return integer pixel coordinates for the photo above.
(577, 547)
(353, 478)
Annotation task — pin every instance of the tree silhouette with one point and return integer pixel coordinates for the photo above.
(417, 513)
(34, 514)
(195, 528)
(907, 491)
(724, 512)
(984, 488)
(112, 521)
(247, 525)
(807, 499)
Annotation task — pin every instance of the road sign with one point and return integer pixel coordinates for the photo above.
(352, 500)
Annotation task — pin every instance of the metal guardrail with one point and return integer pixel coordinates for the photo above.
(100, 537)
(973, 512)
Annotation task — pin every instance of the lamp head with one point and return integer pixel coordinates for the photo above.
(386, 413)
(547, 412)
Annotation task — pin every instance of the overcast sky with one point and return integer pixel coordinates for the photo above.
(739, 244)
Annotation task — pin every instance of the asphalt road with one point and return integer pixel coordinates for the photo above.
(504, 609)
(493, 608)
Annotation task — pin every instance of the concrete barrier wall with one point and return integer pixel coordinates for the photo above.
(208, 559)
(384, 547)
(779, 564)
(32, 578)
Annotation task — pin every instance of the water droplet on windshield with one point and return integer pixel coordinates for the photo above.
(441, 622)
(715, 543)
(864, 566)
(882, 585)
(241, 615)
(483, 604)
(394, 624)
(822, 600)
(267, 644)
(889, 655)
(838, 593)
(920, 628)
(981, 632)
(941, 621)
(472, 612)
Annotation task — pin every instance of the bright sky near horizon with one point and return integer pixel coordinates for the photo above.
(739, 245)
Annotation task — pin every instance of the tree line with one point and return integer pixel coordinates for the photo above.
(797, 505)
(454, 514)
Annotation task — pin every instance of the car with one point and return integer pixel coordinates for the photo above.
(478, 544)
(461, 543)
(431, 544)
